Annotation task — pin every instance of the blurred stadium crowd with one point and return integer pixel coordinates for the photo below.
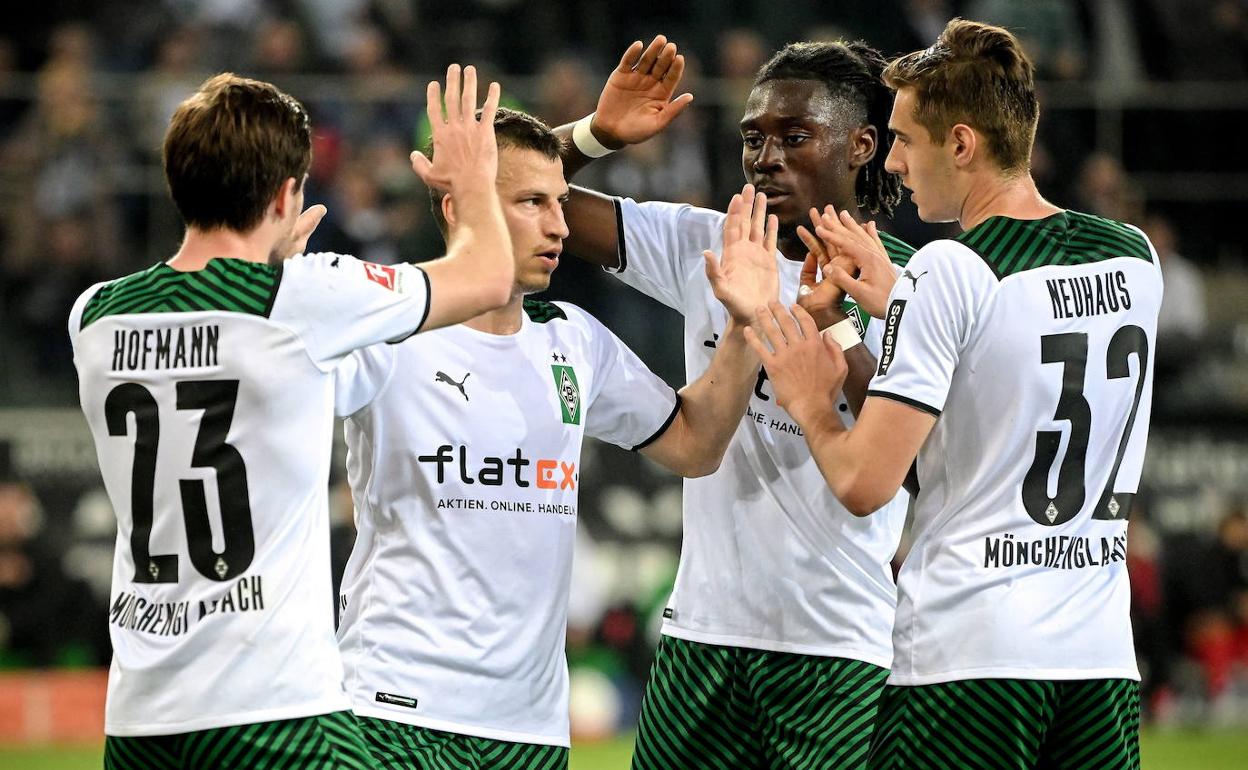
(1143, 101)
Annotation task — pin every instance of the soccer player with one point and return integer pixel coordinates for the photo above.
(1017, 368)
(464, 446)
(207, 382)
(776, 642)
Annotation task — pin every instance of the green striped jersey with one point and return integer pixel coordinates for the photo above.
(1032, 342)
(229, 285)
(209, 395)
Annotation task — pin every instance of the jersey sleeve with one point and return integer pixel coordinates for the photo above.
(361, 377)
(661, 245)
(930, 317)
(75, 313)
(337, 304)
(628, 405)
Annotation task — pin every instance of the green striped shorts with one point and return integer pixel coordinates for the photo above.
(733, 708)
(324, 742)
(1009, 724)
(399, 746)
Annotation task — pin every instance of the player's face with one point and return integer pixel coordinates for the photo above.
(794, 139)
(533, 191)
(926, 168)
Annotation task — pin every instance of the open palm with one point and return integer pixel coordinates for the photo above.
(745, 276)
(636, 103)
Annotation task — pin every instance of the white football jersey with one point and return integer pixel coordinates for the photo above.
(463, 457)
(210, 398)
(771, 560)
(1032, 341)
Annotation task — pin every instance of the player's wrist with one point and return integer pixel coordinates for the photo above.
(824, 315)
(591, 140)
(844, 333)
(812, 411)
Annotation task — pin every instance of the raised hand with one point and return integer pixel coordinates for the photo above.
(305, 225)
(806, 369)
(745, 277)
(465, 155)
(818, 296)
(636, 103)
(864, 270)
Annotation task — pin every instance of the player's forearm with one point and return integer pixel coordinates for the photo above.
(711, 409)
(478, 272)
(573, 158)
(830, 446)
(593, 227)
(858, 380)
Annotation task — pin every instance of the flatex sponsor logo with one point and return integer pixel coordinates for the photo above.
(493, 471)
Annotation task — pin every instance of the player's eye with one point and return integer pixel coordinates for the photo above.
(753, 141)
(793, 140)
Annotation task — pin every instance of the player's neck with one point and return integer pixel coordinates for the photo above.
(504, 321)
(200, 246)
(991, 195)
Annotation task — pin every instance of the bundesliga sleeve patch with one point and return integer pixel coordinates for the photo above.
(382, 275)
(892, 328)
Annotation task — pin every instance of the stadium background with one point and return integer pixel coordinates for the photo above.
(1144, 103)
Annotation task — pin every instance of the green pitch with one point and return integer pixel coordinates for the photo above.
(1161, 751)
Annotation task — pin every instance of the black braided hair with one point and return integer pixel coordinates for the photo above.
(851, 71)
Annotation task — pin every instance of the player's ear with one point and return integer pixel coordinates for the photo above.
(863, 143)
(964, 143)
(448, 210)
(287, 198)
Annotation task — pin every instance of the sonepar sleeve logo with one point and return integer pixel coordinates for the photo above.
(569, 393)
(892, 328)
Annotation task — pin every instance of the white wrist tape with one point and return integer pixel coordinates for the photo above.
(585, 141)
(844, 333)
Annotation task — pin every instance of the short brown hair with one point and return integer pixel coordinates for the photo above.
(512, 128)
(229, 149)
(975, 74)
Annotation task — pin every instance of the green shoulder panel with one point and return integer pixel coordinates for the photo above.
(1011, 246)
(541, 312)
(227, 285)
(898, 250)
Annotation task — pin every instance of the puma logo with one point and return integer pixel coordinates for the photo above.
(444, 377)
(914, 279)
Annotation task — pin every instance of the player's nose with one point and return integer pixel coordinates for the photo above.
(770, 157)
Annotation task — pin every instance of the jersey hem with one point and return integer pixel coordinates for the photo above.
(315, 709)
(767, 645)
(459, 728)
(1055, 674)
